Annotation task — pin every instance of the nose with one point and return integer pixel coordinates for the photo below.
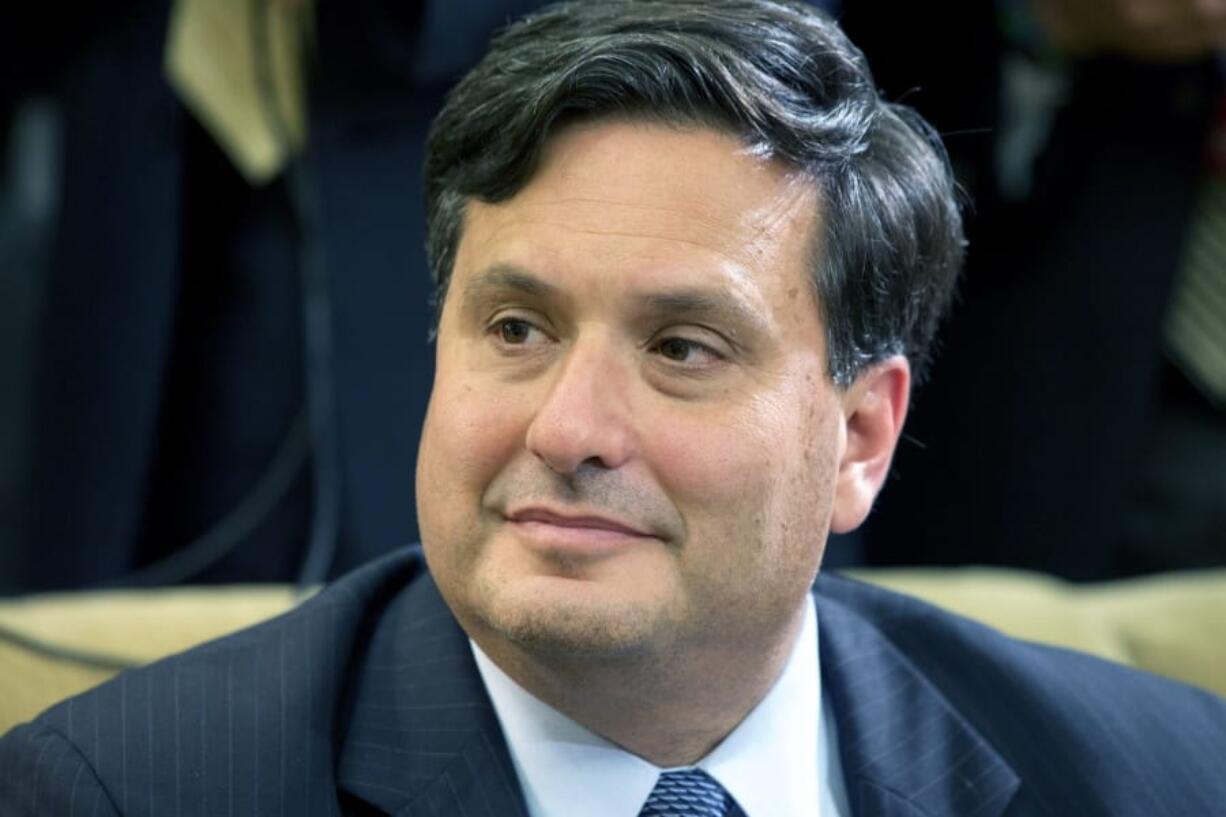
(584, 417)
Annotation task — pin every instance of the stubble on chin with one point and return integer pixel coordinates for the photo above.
(554, 626)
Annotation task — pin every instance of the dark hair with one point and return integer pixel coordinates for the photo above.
(778, 75)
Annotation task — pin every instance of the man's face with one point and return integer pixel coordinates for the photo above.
(632, 442)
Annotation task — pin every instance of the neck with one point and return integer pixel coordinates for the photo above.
(670, 707)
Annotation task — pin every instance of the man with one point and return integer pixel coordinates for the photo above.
(687, 262)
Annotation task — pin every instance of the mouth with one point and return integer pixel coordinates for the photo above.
(575, 534)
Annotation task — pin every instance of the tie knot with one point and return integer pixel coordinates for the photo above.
(689, 793)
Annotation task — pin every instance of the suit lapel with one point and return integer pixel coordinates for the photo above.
(905, 751)
(424, 738)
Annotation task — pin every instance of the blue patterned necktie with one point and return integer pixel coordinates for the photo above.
(689, 793)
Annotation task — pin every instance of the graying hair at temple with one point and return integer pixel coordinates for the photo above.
(782, 78)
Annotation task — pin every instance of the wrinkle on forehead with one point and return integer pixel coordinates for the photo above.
(654, 202)
(656, 263)
(610, 156)
(690, 224)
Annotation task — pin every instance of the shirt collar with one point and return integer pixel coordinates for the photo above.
(780, 759)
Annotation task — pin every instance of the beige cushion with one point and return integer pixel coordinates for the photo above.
(1174, 624)
(111, 630)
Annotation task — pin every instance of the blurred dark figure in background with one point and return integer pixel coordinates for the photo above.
(1075, 421)
(229, 376)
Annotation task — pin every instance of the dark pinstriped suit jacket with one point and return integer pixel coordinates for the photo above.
(366, 701)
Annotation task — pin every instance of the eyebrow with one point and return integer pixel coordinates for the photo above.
(688, 303)
(504, 277)
(718, 307)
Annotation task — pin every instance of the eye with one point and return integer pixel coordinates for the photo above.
(686, 351)
(515, 331)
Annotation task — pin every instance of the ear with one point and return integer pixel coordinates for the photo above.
(874, 408)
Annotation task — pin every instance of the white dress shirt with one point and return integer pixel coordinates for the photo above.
(781, 761)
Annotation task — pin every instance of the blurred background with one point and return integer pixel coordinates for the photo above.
(214, 303)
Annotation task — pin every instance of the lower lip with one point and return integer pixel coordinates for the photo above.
(577, 540)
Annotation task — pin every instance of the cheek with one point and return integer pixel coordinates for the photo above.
(720, 469)
(466, 439)
(754, 485)
(805, 499)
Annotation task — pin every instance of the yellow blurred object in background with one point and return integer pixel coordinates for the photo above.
(238, 67)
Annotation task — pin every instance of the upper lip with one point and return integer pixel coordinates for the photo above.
(548, 516)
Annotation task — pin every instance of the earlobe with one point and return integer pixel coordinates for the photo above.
(874, 408)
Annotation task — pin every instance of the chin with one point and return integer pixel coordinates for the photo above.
(550, 616)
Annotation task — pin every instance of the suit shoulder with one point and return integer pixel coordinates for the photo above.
(1085, 708)
(218, 707)
(45, 775)
(335, 618)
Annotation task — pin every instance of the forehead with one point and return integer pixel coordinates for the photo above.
(622, 206)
